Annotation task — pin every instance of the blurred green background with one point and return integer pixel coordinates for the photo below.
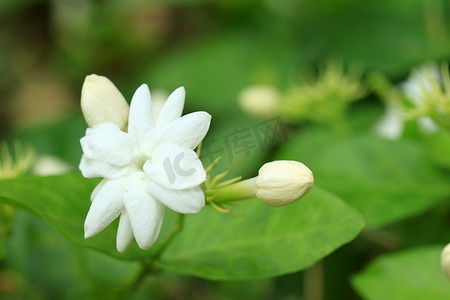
(214, 48)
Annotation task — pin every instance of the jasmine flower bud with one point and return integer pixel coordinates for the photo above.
(283, 182)
(102, 102)
(445, 261)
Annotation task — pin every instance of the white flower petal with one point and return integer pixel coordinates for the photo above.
(187, 201)
(173, 108)
(98, 188)
(175, 167)
(124, 232)
(105, 142)
(187, 131)
(146, 214)
(140, 121)
(105, 207)
(93, 168)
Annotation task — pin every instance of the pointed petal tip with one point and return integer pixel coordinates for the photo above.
(142, 93)
(90, 78)
(145, 246)
(207, 117)
(143, 86)
(145, 242)
(88, 231)
(202, 114)
(181, 89)
(179, 94)
(206, 114)
(93, 78)
(121, 249)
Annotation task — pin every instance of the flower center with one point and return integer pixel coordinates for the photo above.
(139, 161)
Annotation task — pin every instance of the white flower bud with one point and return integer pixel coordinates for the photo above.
(260, 100)
(102, 102)
(445, 261)
(283, 182)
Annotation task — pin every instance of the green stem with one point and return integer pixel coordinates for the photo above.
(238, 191)
(313, 282)
(149, 268)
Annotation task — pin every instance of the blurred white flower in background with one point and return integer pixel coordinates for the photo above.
(47, 165)
(391, 124)
(16, 161)
(261, 101)
(419, 83)
(415, 88)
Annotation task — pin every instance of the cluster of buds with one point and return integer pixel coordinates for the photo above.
(428, 92)
(424, 97)
(323, 101)
(327, 99)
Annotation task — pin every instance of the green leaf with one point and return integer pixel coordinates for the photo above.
(438, 144)
(388, 36)
(265, 242)
(385, 180)
(63, 201)
(411, 274)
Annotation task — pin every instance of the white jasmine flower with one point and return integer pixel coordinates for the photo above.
(151, 166)
(416, 86)
(391, 124)
(420, 82)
